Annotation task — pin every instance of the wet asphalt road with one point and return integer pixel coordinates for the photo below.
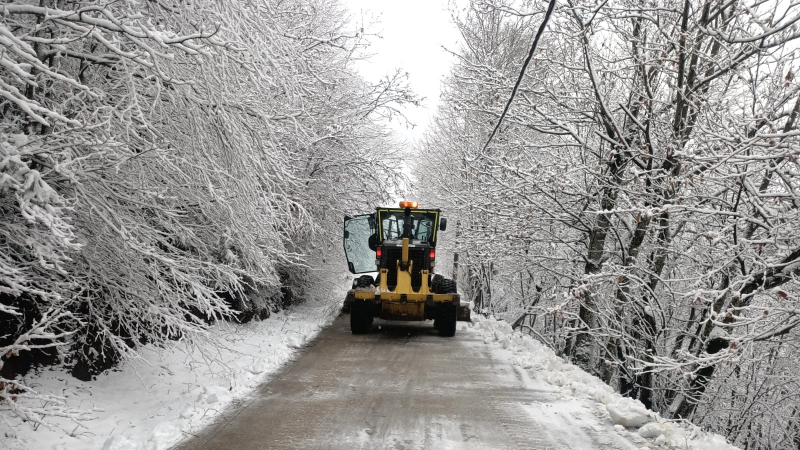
(403, 387)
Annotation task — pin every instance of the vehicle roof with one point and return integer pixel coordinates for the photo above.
(402, 210)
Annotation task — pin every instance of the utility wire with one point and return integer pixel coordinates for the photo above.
(539, 33)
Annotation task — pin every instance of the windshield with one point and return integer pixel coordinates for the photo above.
(392, 225)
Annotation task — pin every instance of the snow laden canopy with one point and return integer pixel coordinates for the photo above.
(161, 159)
(638, 209)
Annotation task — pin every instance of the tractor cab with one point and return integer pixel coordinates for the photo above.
(399, 244)
(374, 241)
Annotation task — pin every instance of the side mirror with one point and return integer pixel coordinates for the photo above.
(373, 242)
(442, 224)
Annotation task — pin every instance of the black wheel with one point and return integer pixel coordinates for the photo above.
(436, 280)
(360, 317)
(447, 286)
(365, 281)
(446, 322)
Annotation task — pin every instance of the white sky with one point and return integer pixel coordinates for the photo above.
(412, 33)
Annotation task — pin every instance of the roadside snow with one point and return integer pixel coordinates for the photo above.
(632, 419)
(173, 392)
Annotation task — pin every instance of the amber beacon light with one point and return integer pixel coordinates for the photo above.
(412, 205)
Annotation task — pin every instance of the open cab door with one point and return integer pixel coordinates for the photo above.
(357, 232)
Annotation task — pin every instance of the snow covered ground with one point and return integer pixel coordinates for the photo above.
(632, 420)
(172, 392)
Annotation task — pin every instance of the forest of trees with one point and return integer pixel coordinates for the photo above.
(167, 163)
(639, 209)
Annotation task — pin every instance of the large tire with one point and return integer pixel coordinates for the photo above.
(448, 314)
(360, 317)
(446, 322)
(365, 281)
(447, 286)
(436, 280)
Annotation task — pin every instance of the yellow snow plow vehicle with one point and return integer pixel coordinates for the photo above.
(399, 244)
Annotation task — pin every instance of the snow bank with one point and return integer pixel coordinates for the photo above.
(174, 392)
(629, 415)
(628, 412)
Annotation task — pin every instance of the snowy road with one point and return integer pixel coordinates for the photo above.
(404, 387)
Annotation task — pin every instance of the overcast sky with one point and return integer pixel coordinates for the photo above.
(412, 35)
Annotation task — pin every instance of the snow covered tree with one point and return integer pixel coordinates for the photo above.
(637, 205)
(166, 164)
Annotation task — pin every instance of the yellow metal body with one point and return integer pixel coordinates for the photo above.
(404, 303)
